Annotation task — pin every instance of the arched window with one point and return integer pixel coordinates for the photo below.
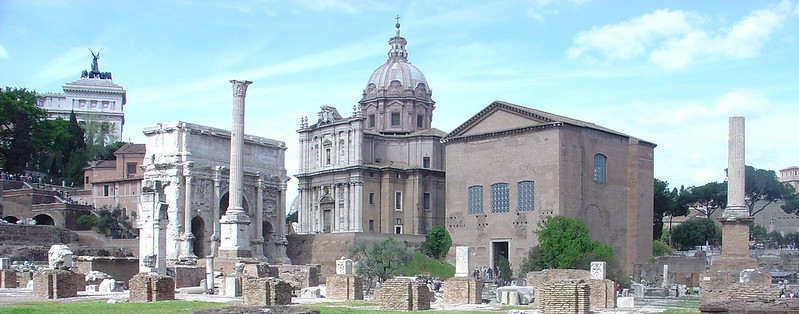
(476, 199)
(600, 168)
(500, 198)
(526, 196)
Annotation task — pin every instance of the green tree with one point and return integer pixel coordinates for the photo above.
(293, 217)
(695, 232)
(660, 248)
(19, 116)
(505, 271)
(88, 220)
(763, 185)
(563, 241)
(113, 222)
(380, 260)
(707, 198)
(436, 243)
(667, 203)
(791, 205)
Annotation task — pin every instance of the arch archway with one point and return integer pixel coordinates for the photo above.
(44, 220)
(198, 230)
(224, 202)
(11, 219)
(267, 230)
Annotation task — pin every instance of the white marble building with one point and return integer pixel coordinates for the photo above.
(94, 97)
(189, 166)
(382, 168)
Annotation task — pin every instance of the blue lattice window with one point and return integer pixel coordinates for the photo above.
(476, 199)
(526, 196)
(600, 168)
(500, 198)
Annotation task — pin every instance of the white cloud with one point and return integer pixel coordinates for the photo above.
(3, 53)
(541, 8)
(631, 38)
(535, 15)
(674, 39)
(67, 65)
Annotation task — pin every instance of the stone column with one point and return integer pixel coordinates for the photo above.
(358, 207)
(258, 241)
(736, 169)
(235, 223)
(735, 219)
(217, 211)
(188, 237)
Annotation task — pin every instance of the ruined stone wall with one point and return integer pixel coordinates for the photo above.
(539, 279)
(35, 235)
(463, 290)
(344, 287)
(8, 279)
(325, 248)
(724, 285)
(603, 293)
(266, 292)
(404, 294)
(119, 268)
(567, 297)
(299, 276)
(151, 287)
(55, 284)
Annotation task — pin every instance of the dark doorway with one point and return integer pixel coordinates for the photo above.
(44, 220)
(198, 230)
(326, 221)
(11, 219)
(499, 248)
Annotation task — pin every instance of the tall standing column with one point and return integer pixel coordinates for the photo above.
(735, 219)
(258, 241)
(736, 168)
(188, 237)
(235, 223)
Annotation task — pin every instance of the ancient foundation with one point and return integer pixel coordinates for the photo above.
(603, 293)
(463, 290)
(344, 287)
(299, 276)
(266, 292)
(567, 297)
(55, 284)
(147, 287)
(8, 279)
(538, 279)
(404, 294)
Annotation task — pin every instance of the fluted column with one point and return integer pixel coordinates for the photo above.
(188, 237)
(235, 223)
(258, 241)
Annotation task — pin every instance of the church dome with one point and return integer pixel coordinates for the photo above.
(397, 68)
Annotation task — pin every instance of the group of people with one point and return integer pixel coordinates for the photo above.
(486, 273)
(789, 294)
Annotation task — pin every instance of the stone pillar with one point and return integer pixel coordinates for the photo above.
(153, 220)
(735, 219)
(257, 242)
(55, 284)
(736, 168)
(188, 237)
(235, 223)
(462, 261)
(150, 288)
(358, 208)
(215, 236)
(665, 283)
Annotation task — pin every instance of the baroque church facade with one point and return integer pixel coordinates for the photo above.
(381, 169)
(93, 98)
(549, 165)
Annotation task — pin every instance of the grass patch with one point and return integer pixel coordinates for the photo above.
(103, 307)
(422, 264)
(680, 311)
(514, 307)
(346, 303)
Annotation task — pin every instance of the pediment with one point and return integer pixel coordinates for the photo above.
(500, 116)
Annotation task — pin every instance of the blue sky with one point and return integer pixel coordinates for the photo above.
(669, 72)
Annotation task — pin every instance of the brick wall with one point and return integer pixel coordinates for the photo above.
(151, 287)
(463, 290)
(266, 292)
(344, 287)
(55, 284)
(8, 279)
(35, 235)
(299, 276)
(723, 285)
(538, 279)
(603, 293)
(566, 296)
(403, 294)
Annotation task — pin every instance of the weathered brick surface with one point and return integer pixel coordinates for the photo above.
(603, 293)
(55, 284)
(151, 287)
(266, 292)
(119, 268)
(344, 287)
(299, 276)
(538, 279)
(735, 237)
(8, 279)
(567, 297)
(404, 294)
(463, 290)
(719, 286)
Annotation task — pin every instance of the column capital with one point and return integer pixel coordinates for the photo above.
(240, 87)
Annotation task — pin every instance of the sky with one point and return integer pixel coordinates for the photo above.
(668, 72)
